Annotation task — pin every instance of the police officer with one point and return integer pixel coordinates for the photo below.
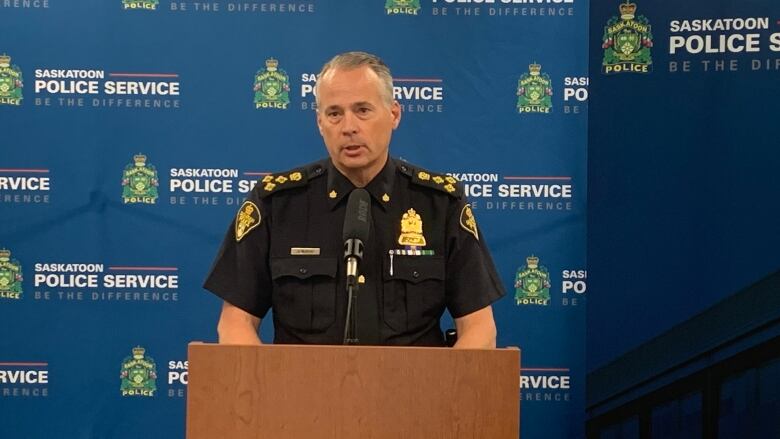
(425, 252)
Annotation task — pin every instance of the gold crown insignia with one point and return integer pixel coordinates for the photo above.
(535, 69)
(139, 159)
(5, 60)
(271, 64)
(627, 10)
(5, 255)
(411, 222)
(138, 351)
(532, 262)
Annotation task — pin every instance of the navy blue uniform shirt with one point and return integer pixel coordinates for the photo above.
(284, 250)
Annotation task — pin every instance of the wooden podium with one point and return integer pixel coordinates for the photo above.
(343, 392)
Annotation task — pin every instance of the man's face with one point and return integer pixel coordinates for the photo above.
(354, 121)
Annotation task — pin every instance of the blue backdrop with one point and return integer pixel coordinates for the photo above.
(494, 93)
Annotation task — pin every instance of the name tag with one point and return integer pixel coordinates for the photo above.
(305, 251)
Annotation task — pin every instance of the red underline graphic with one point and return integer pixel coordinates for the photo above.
(543, 369)
(144, 268)
(417, 80)
(538, 178)
(144, 75)
(27, 171)
(257, 173)
(24, 364)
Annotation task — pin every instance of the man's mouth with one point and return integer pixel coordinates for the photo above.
(352, 149)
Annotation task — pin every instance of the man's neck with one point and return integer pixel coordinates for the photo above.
(362, 177)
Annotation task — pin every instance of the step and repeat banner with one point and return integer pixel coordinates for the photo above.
(133, 129)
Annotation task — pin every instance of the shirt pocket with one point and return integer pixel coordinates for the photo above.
(304, 295)
(413, 291)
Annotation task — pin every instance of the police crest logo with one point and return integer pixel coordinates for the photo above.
(406, 7)
(138, 374)
(468, 222)
(10, 276)
(139, 182)
(149, 5)
(272, 86)
(411, 230)
(10, 82)
(627, 41)
(247, 219)
(532, 283)
(534, 91)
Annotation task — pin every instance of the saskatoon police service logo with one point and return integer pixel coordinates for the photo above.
(408, 7)
(138, 374)
(10, 276)
(140, 4)
(10, 82)
(139, 182)
(534, 91)
(532, 283)
(272, 86)
(627, 43)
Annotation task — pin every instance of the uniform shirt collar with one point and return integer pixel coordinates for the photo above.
(380, 187)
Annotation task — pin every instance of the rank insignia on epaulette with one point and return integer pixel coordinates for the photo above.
(247, 219)
(275, 182)
(468, 222)
(442, 182)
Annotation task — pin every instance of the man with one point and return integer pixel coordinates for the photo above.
(284, 249)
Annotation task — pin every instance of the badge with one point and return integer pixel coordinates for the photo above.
(411, 230)
(247, 219)
(468, 222)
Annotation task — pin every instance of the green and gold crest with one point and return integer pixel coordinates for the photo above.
(10, 82)
(407, 7)
(140, 4)
(139, 182)
(627, 41)
(532, 283)
(534, 91)
(272, 86)
(138, 374)
(10, 276)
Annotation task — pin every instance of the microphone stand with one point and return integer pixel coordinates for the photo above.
(350, 330)
(353, 248)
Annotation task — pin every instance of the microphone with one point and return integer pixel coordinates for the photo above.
(356, 225)
(355, 232)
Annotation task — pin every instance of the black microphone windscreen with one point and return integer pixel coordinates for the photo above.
(358, 217)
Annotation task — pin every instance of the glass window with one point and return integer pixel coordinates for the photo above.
(628, 429)
(678, 419)
(767, 424)
(737, 401)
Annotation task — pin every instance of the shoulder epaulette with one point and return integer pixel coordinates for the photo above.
(445, 183)
(293, 178)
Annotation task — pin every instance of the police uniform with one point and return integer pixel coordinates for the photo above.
(284, 251)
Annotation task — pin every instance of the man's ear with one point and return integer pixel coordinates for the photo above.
(395, 110)
(319, 120)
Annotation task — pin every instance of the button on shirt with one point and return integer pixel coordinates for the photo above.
(424, 253)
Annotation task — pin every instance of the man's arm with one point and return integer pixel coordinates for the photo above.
(476, 330)
(237, 326)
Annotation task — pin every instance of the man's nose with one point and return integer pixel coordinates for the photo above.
(350, 125)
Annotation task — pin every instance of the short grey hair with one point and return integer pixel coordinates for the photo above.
(354, 60)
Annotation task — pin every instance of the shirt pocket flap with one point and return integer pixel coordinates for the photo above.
(302, 267)
(414, 269)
